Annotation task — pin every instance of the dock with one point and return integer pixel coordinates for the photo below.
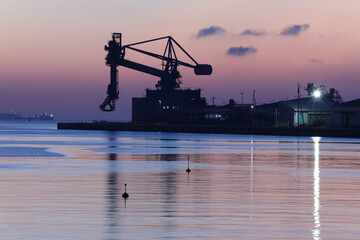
(214, 129)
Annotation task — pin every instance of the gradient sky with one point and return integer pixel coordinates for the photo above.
(52, 56)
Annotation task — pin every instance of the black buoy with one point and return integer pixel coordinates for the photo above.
(125, 194)
(188, 169)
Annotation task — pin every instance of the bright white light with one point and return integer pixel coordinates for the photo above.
(317, 93)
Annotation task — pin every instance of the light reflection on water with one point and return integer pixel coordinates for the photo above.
(240, 187)
(316, 231)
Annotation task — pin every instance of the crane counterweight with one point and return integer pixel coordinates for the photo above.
(203, 69)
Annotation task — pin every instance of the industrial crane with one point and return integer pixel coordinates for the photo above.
(168, 74)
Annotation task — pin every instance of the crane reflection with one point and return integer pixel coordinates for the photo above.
(316, 214)
(112, 189)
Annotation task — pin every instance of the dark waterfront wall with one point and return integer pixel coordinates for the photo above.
(289, 131)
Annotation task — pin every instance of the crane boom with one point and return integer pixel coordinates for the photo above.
(143, 68)
(169, 75)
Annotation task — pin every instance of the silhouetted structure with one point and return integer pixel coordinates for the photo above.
(297, 112)
(346, 114)
(168, 74)
(171, 109)
(125, 194)
(10, 116)
(315, 110)
(168, 106)
(188, 170)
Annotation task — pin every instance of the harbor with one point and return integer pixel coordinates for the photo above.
(170, 108)
(169, 120)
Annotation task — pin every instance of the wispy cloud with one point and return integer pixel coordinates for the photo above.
(294, 30)
(213, 30)
(314, 60)
(251, 32)
(240, 51)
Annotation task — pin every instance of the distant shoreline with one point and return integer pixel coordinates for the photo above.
(217, 129)
(27, 119)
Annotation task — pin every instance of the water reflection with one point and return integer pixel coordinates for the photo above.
(226, 196)
(251, 177)
(112, 190)
(169, 184)
(316, 231)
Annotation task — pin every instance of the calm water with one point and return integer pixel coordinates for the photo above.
(67, 184)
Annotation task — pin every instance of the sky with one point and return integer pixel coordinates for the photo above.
(52, 52)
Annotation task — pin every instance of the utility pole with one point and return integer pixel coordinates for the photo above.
(213, 101)
(298, 104)
(242, 99)
(254, 99)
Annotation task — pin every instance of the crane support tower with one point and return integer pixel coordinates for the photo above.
(168, 74)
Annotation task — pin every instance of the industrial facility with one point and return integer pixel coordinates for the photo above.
(169, 103)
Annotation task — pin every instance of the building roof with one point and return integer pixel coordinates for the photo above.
(350, 106)
(352, 103)
(310, 104)
(304, 104)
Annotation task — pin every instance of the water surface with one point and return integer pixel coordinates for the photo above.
(67, 184)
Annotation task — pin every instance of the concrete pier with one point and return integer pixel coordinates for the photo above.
(219, 129)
